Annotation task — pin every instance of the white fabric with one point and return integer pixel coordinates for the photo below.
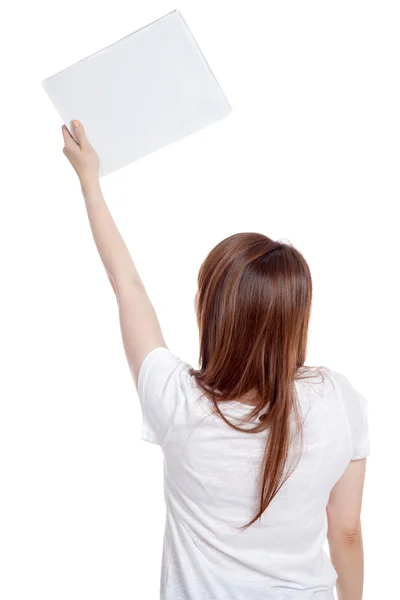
(210, 473)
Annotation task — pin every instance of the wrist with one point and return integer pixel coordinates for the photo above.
(89, 183)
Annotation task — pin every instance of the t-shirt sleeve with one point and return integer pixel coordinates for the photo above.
(355, 407)
(160, 391)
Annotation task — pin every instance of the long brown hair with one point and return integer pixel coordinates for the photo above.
(253, 310)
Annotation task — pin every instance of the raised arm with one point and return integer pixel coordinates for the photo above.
(344, 531)
(140, 328)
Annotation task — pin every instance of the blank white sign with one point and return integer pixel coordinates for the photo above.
(147, 90)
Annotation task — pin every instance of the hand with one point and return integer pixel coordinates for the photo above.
(82, 156)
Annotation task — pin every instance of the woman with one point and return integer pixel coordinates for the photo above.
(264, 457)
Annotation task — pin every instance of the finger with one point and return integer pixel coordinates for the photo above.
(68, 139)
(80, 133)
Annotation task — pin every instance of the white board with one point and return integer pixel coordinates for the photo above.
(147, 90)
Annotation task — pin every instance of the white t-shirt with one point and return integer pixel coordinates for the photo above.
(210, 475)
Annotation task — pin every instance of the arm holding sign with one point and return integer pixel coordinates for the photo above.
(140, 327)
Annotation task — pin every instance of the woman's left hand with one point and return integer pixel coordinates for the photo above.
(82, 156)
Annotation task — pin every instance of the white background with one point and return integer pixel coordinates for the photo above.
(309, 154)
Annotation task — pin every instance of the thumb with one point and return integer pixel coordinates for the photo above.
(80, 133)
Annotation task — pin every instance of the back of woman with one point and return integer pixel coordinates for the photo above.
(264, 457)
(212, 474)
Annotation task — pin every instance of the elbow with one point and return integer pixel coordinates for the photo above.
(112, 283)
(351, 538)
(348, 535)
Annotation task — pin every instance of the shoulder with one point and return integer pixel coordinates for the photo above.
(161, 369)
(162, 383)
(333, 386)
(355, 407)
(345, 388)
(320, 380)
(326, 380)
(337, 389)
